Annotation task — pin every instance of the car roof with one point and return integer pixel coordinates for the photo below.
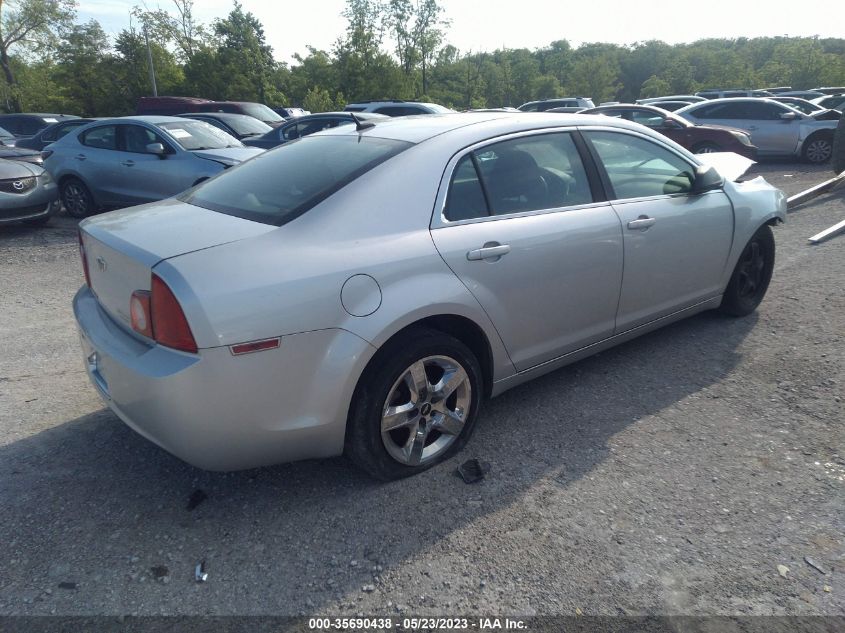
(152, 119)
(219, 115)
(41, 115)
(475, 126)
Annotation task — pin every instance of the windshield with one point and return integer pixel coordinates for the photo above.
(194, 135)
(276, 187)
(248, 126)
(261, 112)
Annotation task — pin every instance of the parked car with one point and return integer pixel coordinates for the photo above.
(240, 126)
(309, 124)
(363, 291)
(778, 90)
(548, 104)
(831, 90)
(29, 124)
(133, 160)
(808, 107)
(671, 106)
(727, 94)
(775, 128)
(699, 139)
(52, 133)
(396, 107)
(809, 95)
(832, 102)
(290, 113)
(27, 194)
(174, 106)
(653, 100)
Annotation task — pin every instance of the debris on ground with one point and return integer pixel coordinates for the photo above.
(196, 498)
(67, 585)
(200, 574)
(368, 588)
(473, 470)
(160, 572)
(783, 570)
(815, 565)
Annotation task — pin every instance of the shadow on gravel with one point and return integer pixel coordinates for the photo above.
(60, 230)
(93, 504)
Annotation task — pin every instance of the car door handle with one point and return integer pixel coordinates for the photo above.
(81, 157)
(490, 250)
(128, 163)
(641, 223)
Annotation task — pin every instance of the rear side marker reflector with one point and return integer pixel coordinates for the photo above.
(255, 346)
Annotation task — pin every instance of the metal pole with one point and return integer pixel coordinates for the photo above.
(150, 60)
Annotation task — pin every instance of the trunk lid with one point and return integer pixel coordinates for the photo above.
(122, 247)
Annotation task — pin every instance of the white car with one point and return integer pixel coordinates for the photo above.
(775, 128)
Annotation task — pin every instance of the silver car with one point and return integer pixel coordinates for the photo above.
(775, 128)
(133, 160)
(27, 194)
(363, 290)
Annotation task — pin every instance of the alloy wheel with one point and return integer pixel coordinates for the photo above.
(819, 151)
(76, 200)
(751, 272)
(426, 410)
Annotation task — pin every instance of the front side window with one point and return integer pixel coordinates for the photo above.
(517, 175)
(276, 187)
(136, 138)
(638, 168)
(102, 137)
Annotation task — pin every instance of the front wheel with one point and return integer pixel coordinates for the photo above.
(751, 276)
(416, 407)
(76, 198)
(818, 149)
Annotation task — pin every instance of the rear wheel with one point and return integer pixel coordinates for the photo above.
(751, 276)
(76, 198)
(706, 147)
(416, 407)
(818, 148)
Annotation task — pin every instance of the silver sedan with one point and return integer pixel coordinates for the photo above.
(364, 290)
(133, 160)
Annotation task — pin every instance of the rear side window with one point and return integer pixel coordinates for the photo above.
(103, 137)
(276, 187)
(638, 168)
(523, 174)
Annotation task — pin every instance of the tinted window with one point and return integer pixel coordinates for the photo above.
(763, 111)
(102, 137)
(278, 186)
(355, 108)
(12, 123)
(30, 126)
(649, 119)
(466, 197)
(310, 127)
(721, 111)
(136, 138)
(639, 168)
(400, 110)
(58, 131)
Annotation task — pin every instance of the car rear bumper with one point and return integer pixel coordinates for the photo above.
(217, 411)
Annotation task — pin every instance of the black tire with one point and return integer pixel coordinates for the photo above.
(818, 148)
(839, 147)
(706, 147)
(751, 276)
(77, 199)
(365, 444)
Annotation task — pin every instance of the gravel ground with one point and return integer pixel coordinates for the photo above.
(671, 475)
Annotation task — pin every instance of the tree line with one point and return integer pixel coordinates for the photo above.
(395, 49)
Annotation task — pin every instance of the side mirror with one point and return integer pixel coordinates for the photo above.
(789, 116)
(157, 149)
(706, 179)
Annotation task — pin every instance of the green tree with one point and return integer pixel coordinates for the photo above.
(654, 87)
(30, 26)
(80, 58)
(244, 55)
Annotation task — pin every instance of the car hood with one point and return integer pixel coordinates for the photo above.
(228, 155)
(721, 127)
(16, 169)
(731, 166)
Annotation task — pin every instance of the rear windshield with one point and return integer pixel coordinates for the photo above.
(276, 187)
(199, 135)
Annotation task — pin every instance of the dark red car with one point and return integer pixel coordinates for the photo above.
(698, 139)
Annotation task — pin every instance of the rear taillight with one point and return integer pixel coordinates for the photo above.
(84, 260)
(158, 315)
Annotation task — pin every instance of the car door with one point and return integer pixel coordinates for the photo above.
(143, 176)
(769, 131)
(676, 243)
(519, 224)
(96, 161)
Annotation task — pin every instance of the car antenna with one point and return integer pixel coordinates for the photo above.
(360, 125)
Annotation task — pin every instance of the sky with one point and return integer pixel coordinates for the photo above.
(485, 25)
